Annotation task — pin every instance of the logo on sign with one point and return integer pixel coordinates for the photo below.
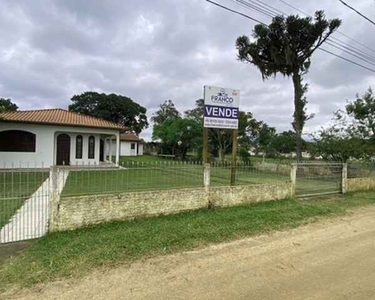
(221, 97)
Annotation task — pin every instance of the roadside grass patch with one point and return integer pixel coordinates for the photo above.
(75, 253)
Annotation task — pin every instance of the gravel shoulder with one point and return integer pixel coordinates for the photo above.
(331, 259)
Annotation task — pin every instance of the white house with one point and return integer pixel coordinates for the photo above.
(130, 145)
(42, 138)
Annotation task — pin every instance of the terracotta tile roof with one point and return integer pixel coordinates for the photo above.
(130, 137)
(57, 117)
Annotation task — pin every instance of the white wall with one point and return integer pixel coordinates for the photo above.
(125, 148)
(140, 150)
(45, 145)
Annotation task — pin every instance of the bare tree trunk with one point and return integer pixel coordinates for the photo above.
(221, 153)
(298, 121)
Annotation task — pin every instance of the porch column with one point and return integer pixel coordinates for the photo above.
(110, 149)
(117, 149)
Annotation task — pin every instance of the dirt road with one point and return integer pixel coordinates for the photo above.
(333, 259)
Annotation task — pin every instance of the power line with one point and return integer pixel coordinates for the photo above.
(235, 12)
(346, 51)
(295, 8)
(355, 52)
(276, 9)
(338, 31)
(359, 43)
(268, 13)
(259, 5)
(255, 20)
(347, 59)
(352, 48)
(358, 12)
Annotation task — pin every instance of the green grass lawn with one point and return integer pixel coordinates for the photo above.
(8, 208)
(15, 188)
(143, 177)
(75, 253)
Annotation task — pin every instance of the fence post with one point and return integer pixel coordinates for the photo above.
(293, 178)
(344, 177)
(206, 176)
(53, 197)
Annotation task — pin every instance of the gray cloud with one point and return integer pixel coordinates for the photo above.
(152, 51)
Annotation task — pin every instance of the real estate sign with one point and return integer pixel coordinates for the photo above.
(221, 107)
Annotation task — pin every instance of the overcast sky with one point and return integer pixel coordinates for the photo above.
(156, 50)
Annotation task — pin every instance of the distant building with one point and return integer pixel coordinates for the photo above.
(130, 145)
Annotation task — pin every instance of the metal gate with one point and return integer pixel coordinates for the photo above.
(24, 203)
(318, 178)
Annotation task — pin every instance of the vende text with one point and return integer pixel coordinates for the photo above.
(221, 112)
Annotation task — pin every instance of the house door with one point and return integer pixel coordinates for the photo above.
(63, 149)
(101, 156)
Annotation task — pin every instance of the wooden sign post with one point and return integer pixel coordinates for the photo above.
(234, 158)
(205, 146)
(221, 110)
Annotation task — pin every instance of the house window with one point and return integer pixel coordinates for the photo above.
(132, 146)
(79, 142)
(17, 141)
(91, 147)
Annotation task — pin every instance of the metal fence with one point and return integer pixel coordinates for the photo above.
(148, 176)
(25, 192)
(360, 169)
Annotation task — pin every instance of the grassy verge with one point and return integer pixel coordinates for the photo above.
(75, 253)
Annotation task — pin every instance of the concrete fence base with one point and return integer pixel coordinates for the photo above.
(69, 213)
(360, 184)
(76, 212)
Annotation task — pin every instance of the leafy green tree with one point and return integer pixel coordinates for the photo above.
(362, 110)
(162, 119)
(264, 139)
(352, 133)
(257, 134)
(180, 134)
(244, 139)
(111, 107)
(197, 112)
(285, 47)
(7, 105)
(167, 111)
(285, 142)
(336, 144)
